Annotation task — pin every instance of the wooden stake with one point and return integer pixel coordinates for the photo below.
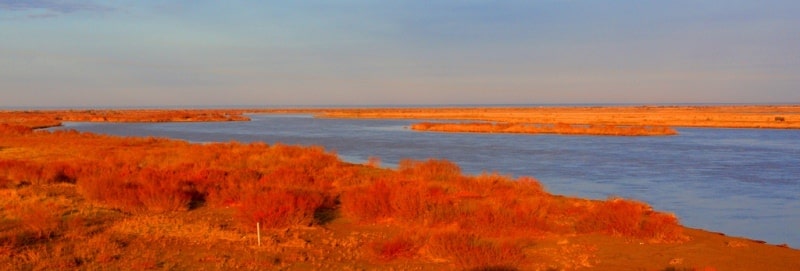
(258, 229)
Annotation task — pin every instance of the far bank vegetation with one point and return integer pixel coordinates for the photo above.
(559, 128)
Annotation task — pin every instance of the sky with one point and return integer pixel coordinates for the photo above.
(120, 53)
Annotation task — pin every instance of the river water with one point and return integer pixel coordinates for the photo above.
(742, 182)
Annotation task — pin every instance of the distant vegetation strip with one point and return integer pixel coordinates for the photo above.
(731, 116)
(560, 128)
(738, 116)
(52, 118)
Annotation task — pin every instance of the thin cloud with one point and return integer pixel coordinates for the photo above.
(51, 7)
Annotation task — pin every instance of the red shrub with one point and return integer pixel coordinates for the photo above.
(14, 129)
(368, 203)
(614, 216)
(163, 196)
(41, 219)
(400, 246)
(58, 172)
(430, 170)
(105, 189)
(468, 251)
(660, 227)
(633, 219)
(275, 208)
(18, 172)
(289, 176)
(529, 186)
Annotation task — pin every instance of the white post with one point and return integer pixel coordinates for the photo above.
(258, 229)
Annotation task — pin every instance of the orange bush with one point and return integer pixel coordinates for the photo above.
(411, 202)
(617, 216)
(631, 218)
(368, 203)
(407, 201)
(58, 172)
(41, 219)
(468, 251)
(14, 173)
(426, 204)
(276, 208)
(14, 129)
(430, 170)
(660, 227)
(400, 246)
(114, 192)
(24, 172)
(506, 216)
(163, 196)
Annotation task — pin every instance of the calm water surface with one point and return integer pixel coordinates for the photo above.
(743, 182)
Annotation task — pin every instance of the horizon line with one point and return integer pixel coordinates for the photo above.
(420, 105)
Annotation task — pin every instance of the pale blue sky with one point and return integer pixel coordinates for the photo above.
(73, 53)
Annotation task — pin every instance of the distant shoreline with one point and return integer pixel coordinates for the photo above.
(706, 116)
(740, 116)
(378, 106)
